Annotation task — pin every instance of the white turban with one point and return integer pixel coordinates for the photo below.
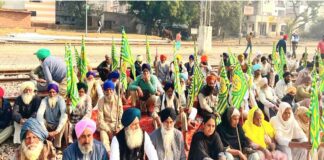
(28, 84)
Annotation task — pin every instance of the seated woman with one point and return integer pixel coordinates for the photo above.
(233, 136)
(261, 135)
(206, 144)
(290, 137)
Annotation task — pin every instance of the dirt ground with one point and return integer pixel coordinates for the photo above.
(20, 56)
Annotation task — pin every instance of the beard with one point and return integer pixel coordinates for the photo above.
(85, 148)
(32, 151)
(168, 138)
(27, 97)
(52, 101)
(109, 98)
(134, 139)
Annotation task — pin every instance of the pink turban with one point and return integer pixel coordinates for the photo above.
(83, 124)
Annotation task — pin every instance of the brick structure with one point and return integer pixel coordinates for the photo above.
(15, 18)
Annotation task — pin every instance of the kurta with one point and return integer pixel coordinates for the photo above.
(109, 114)
(22, 110)
(120, 150)
(72, 152)
(281, 88)
(177, 145)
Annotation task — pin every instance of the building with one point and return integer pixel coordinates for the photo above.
(15, 18)
(42, 11)
(268, 18)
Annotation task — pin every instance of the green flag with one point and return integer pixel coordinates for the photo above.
(275, 59)
(148, 53)
(239, 86)
(282, 63)
(83, 61)
(197, 80)
(126, 52)
(71, 78)
(177, 85)
(114, 56)
(223, 91)
(123, 75)
(314, 109)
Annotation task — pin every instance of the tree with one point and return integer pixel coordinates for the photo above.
(315, 30)
(155, 13)
(310, 14)
(225, 16)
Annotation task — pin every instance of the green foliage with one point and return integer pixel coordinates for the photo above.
(316, 30)
(154, 13)
(2, 2)
(225, 17)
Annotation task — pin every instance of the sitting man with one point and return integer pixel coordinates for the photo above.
(110, 111)
(26, 106)
(6, 128)
(132, 142)
(167, 140)
(119, 88)
(86, 147)
(104, 68)
(207, 97)
(283, 84)
(94, 88)
(82, 110)
(52, 114)
(33, 142)
(144, 88)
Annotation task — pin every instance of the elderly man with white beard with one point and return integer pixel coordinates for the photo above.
(86, 147)
(26, 106)
(82, 110)
(33, 142)
(52, 114)
(110, 110)
(94, 88)
(167, 140)
(132, 143)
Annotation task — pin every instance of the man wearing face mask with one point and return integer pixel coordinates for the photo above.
(283, 84)
(208, 97)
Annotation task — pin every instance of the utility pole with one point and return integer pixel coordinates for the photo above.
(240, 25)
(86, 18)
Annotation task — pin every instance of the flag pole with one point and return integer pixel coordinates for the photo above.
(118, 93)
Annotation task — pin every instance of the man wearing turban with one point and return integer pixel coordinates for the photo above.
(85, 147)
(94, 88)
(167, 140)
(110, 110)
(52, 114)
(268, 98)
(208, 96)
(190, 65)
(138, 64)
(182, 68)
(6, 128)
(104, 68)
(283, 84)
(205, 67)
(54, 69)
(162, 68)
(120, 90)
(145, 88)
(132, 142)
(26, 106)
(81, 111)
(33, 142)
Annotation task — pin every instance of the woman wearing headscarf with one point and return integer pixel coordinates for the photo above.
(233, 136)
(206, 144)
(290, 137)
(261, 135)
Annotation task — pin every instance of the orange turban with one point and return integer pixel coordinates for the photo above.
(211, 78)
(162, 56)
(203, 58)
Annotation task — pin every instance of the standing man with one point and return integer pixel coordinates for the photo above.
(320, 47)
(282, 44)
(99, 26)
(249, 42)
(26, 106)
(132, 143)
(167, 140)
(86, 147)
(162, 69)
(54, 69)
(104, 68)
(52, 115)
(294, 42)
